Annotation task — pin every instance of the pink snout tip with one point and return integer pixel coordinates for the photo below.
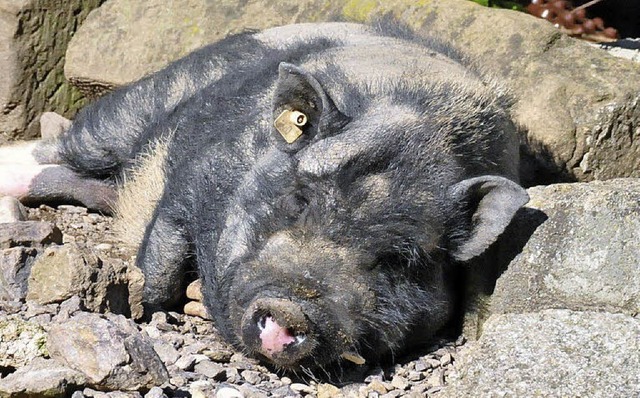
(274, 337)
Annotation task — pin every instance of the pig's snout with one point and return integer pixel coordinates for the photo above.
(278, 329)
(274, 338)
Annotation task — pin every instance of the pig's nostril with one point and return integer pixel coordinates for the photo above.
(262, 322)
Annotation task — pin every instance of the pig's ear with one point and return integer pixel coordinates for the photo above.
(490, 202)
(302, 110)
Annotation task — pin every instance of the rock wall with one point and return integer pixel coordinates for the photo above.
(33, 39)
(576, 105)
(560, 315)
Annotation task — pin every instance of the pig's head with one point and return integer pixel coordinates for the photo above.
(338, 244)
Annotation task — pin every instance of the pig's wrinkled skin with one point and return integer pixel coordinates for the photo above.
(343, 241)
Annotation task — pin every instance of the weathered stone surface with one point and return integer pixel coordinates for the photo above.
(11, 210)
(64, 271)
(29, 234)
(578, 105)
(135, 280)
(133, 49)
(20, 342)
(109, 351)
(15, 266)
(585, 255)
(33, 38)
(41, 378)
(61, 272)
(557, 353)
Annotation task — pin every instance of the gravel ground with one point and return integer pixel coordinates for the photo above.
(201, 365)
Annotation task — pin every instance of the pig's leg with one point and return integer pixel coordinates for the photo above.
(26, 175)
(163, 258)
(34, 172)
(55, 183)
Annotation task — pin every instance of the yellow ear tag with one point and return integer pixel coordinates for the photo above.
(289, 125)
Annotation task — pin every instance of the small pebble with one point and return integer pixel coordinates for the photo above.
(68, 308)
(377, 386)
(72, 209)
(155, 392)
(42, 319)
(186, 362)
(440, 352)
(152, 331)
(446, 359)
(210, 369)
(250, 391)
(327, 390)
(399, 382)
(302, 388)
(415, 376)
(286, 380)
(104, 247)
(222, 355)
(92, 218)
(434, 363)
(167, 352)
(178, 380)
(373, 394)
(251, 376)
(228, 392)
(282, 392)
(436, 380)
(232, 375)
(421, 366)
(195, 348)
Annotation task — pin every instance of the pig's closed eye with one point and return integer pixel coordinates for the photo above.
(294, 203)
(301, 201)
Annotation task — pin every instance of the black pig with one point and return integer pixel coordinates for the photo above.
(324, 179)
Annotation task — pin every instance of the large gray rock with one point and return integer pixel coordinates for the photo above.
(41, 378)
(15, 267)
(28, 233)
(110, 351)
(33, 39)
(577, 104)
(584, 254)
(553, 353)
(562, 320)
(119, 42)
(65, 271)
(61, 272)
(574, 246)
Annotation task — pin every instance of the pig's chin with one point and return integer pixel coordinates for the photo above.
(280, 332)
